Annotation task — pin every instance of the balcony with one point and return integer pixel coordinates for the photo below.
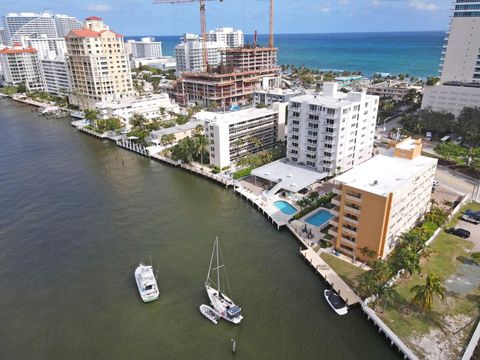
(350, 220)
(347, 242)
(337, 200)
(334, 221)
(354, 198)
(337, 190)
(352, 210)
(346, 252)
(333, 231)
(348, 231)
(335, 211)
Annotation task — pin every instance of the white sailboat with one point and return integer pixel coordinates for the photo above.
(146, 283)
(221, 303)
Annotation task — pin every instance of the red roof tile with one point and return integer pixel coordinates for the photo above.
(18, 51)
(85, 33)
(94, 18)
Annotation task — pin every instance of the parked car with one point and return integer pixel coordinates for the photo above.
(459, 232)
(470, 219)
(473, 214)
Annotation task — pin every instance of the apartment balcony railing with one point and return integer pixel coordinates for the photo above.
(346, 252)
(335, 211)
(334, 221)
(348, 231)
(350, 220)
(352, 210)
(353, 198)
(337, 200)
(337, 190)
(333, 231)
(347, 242)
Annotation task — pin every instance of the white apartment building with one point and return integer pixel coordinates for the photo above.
(146, 48)
(27, 24)
(48, 48)
(228, 36)
(460, 62)
(21, 66)
(55, 76)
(238, 133)
(380, 199)
(165, 63)
(331, 132)
(268, 97)
(3, 37)
(189, 54)
(98, 64)
(148, 106)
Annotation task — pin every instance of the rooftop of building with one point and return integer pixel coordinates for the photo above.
(91, 33)
(234, 117)
(16, 49)
(177, 128)
(292, 176)
(133, 100)
(408, 144)
(383, 174)
(338, 99)
(280, 91)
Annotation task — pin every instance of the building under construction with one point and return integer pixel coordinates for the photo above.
(241, 73)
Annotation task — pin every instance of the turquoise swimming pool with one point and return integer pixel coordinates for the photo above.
(320, 218)
(285, 207)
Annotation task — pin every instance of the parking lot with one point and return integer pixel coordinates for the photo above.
(474, 233)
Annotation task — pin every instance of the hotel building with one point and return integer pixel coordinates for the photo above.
(98, 64)
(146, 48)
(333, 131)
(236, 134)
(460, 63)
(21, 66)
(380, 199)
(28, 24)
(228, 36)
(392, 89)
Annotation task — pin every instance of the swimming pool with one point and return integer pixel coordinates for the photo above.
(285, 207)
(320, 218)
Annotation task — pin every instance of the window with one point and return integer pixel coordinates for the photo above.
(312, 126)
(314, 107)
(313, 117)
(330, 121)
(312, 133)
(295, 114)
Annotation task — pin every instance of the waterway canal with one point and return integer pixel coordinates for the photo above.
(76, 216)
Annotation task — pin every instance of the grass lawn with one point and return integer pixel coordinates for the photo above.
(346, 271)
(408, 322)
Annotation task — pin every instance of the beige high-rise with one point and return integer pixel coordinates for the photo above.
(98, 64)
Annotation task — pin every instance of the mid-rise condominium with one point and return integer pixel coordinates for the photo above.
(380, 199)
(21, 66)
(228, 36)
(98, 64)
(48, 48)
(146, 48)
(189, 54)
(235, 134)
(460, 63)
(28, 24)
(333, 131)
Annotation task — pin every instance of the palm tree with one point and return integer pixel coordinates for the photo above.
(91, 116)
(367, 254)
(424, 294)
(387, 295)
(198, 130)
(201, 146)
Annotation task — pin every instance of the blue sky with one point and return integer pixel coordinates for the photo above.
(141, 17)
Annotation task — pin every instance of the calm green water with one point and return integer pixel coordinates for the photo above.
(77, 215)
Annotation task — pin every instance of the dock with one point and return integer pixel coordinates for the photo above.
(331, 277)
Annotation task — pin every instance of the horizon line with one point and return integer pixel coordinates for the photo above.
(319, 33)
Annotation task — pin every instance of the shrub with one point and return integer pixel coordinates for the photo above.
(429, 227)
(476, 257)
(242, 173)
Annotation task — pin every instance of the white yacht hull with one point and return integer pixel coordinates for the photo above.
(222, 304)
(146, 283)
(343, 310)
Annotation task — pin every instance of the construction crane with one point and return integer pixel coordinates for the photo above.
(270, 42)
(203, 23)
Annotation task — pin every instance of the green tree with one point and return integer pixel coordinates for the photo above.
(407, 258)
(91, 116)
(167, 139)
(387, 295)
(198, 130)
(201, 147)
(424, 294)
(367, 254)
(212, 106)
(138, 121)
(468, 125)
(433, 80)
(21, 88)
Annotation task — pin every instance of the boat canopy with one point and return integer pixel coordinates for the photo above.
(335, 300)
(234, 311)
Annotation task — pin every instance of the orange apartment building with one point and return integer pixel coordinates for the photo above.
(380, 199)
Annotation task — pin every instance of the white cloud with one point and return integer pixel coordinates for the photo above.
(343, 2)
(98, 7)
(423, 5)
(325, 9)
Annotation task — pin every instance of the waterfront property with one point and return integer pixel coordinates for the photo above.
(235, 134)
(21, 66)
(320, 218)
(331, 132)
(381, 199)
(99, 76)
(285, 207)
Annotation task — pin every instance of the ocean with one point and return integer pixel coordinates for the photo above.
(414, 53)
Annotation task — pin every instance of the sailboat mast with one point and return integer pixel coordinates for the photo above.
(210, 267)
(218, 268)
